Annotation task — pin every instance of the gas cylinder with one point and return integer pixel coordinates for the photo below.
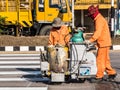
(77, 36)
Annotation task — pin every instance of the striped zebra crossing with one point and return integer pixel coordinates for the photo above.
(19, 68)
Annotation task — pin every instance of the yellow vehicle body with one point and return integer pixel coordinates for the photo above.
(16, 11)
(24, 13)
(47, 10)
(50, 12)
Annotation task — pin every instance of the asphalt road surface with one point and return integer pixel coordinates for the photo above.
(17, 72)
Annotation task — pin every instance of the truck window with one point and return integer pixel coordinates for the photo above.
(24, 5)
(54, 3)
(61, 4)
(41, 5)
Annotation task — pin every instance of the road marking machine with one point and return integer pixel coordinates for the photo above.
(80, 65)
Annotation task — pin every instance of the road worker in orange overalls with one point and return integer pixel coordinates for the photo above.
(58, 41)
(102, 36)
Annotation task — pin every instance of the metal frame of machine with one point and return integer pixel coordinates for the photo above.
(82, 64)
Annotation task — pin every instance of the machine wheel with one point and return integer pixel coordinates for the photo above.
(67, 79)
(82, 80)
(45, 30)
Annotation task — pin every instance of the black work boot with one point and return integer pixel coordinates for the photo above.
(112, 77)
(96, 80)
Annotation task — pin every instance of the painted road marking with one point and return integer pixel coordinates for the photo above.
(23, 88)
(24, 79)
(20, 62)
(19, 72)
(20, 66)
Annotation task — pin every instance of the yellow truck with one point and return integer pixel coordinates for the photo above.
(34, 17)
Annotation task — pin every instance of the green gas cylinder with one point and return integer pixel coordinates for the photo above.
(77, 36)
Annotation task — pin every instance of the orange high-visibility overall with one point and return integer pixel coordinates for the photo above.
(59, 38)
(103, 39)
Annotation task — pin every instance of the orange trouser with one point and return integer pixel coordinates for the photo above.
(103, 62)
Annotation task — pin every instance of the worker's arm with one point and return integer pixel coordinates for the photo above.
(67, 36)
(99, 24)
(50, 42)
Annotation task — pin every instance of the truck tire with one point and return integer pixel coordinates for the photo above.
(45, 30)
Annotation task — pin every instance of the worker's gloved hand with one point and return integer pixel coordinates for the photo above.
(50, 45)
(87, 42)
(51, 48)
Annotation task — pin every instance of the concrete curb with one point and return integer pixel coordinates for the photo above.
(22, 48)
(37, 48)
(116, 47)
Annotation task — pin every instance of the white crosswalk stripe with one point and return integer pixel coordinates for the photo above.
(23, 88)
(19, 62)
(7, 62)
(22, 79)
(19, 72)
(20, 68)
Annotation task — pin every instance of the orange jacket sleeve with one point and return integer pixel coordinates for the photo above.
(50, 42)
(60, 36)
(98, 30)
(102, 32)
(67, 36)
